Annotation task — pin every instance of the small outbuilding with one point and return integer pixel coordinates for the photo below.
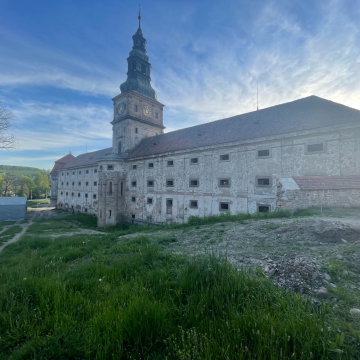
(13, 208)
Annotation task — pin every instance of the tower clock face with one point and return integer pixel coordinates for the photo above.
(121, 108)
(147, 110)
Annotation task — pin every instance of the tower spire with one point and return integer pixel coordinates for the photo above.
(139, 16)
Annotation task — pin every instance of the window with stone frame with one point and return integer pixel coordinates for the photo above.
(224, 182)
(193, 204)
(169, 183)
(224, 206)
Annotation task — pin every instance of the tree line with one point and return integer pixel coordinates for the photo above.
(17, 185)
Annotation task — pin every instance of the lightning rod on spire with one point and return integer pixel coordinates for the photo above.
(139, 16)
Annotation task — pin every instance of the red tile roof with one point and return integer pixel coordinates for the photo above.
(60, 163)
(323, 182)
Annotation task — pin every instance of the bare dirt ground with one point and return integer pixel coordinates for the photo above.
(295, 253)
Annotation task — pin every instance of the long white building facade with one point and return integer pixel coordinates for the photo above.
(297, 154)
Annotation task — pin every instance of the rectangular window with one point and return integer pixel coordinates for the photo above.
(224, 182)
(73, 183)
(110, 167)
(149, 219)
(78, 194)
(194, 160)
(133, 183)
(225, 157)
(95, 183)
(67, 173)
(86, 210)
(151, 165)
(100, 167)
(169, 183)
(67, 193)
(95, 171)
(94, 196)
(263, 208)
(133, 216)
(194, 204)
(135, 108)
(156, 115)
(109, 213)
(263, 181)
(79, 172)
(194, 182)
(61, 193)
(72, 194)
(67, 183)
(134, 167)
(224, 206)
(86, 196)
(62, 183)
(87, 183)
(87, 171)
(169, 206)
(79, 183)
(169, 202)
(136, 130)
(133, 198)
(263, 153)
(150, 183)
(315, 148)
(149, 200)
(170, 163)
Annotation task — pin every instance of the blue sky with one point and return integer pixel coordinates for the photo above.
(61, 63)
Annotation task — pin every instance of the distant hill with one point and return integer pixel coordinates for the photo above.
(21, 170)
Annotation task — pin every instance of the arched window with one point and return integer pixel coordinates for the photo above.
(110, 188)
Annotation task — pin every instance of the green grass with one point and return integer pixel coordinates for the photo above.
(90, 297)
(36, 203)
(9, 233)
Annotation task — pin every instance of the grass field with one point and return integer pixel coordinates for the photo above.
(37, 202)
(93, 297)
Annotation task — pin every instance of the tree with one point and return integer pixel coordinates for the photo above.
(1, 184)
(9, 184)
(7, 141)
(42, 183)
(26, 185)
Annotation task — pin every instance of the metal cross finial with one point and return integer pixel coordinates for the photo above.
(139, 16)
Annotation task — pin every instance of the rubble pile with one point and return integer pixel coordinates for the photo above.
(299, 275)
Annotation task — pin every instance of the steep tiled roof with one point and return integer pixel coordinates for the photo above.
(305, 114)
(60, 163)
(87, 159)
(328, 182)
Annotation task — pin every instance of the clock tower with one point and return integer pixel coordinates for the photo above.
(137, 113)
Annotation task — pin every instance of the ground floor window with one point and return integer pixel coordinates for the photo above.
(263, 208)
(224, 206)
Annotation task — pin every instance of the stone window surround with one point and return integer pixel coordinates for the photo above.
(150, 183)
(194, 182)
(133, 183)
(224, 182)
(170, 182)
(262, 179)
(194, 161)
(224, 157)
(170, 163)
(224, 206)
(193, 204)
(259, 156)
(149, 200)
(313, 143)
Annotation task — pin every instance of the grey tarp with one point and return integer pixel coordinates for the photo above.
(12, 208)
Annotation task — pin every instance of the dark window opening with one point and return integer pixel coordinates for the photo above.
(169, 183)
(119, 147)
(95, 183)
(110, 167)
(170, 163)
(136, 130)
(193, 204)
(224, 206)
(194, 182)
(225, 157)
(87, 183)
(135, 108)
(121, 188)
(134, 167)
(86, 196)
(109, 213)
(151, 165)
(133, 198)
(150, 183)
(263, 208)
(263, 153)
(94, 196)
(156, 115)
(79, 183)
(224, 182)
(110, 188)
(87, 171)
(78, 194)
(95, 171)
(263, 181)
(315, 147)
(133, 183)
(133, 216)
(194, 160)
(149, 200)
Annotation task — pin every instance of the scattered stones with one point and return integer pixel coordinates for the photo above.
(339, 257)
(327, 277)
(322, 293)
(344, 241)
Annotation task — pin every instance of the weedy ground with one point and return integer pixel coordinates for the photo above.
(129, 293)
